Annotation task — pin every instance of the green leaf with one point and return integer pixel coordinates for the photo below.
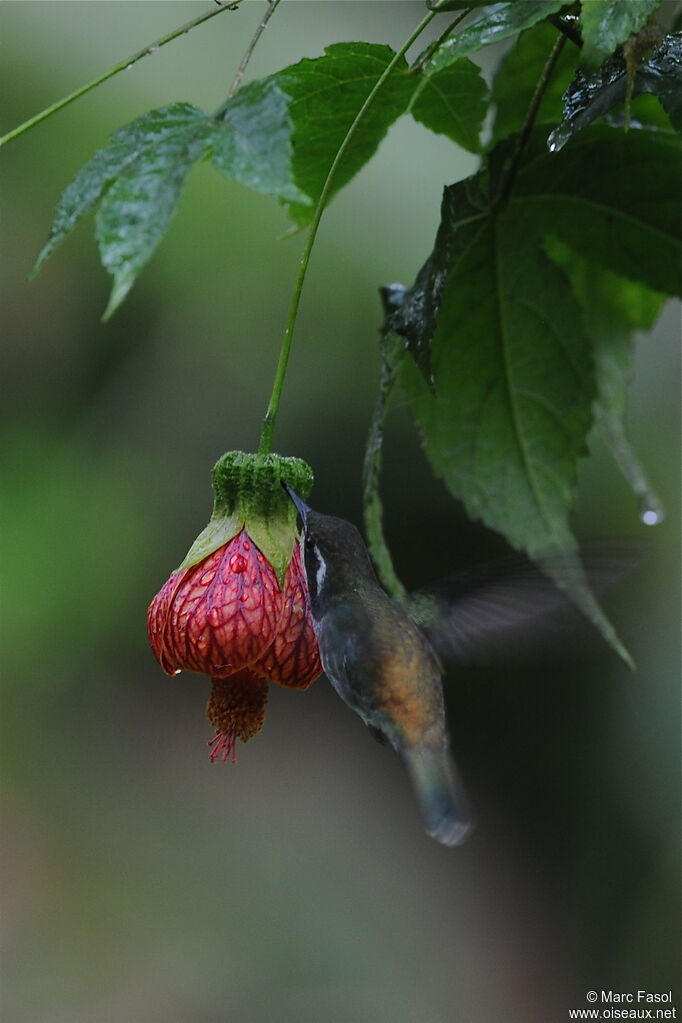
(498, 22)
(613, 309)
(514, 387)
(326, 95)
(590, 96)
(128, 144)
(513, 371)
(608, 23)
(252, 141)
(451, 99)
(626, 222)
(579, 195)
(138, 206)
(518, 74)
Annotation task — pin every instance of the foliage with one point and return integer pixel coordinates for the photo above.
(515, 336)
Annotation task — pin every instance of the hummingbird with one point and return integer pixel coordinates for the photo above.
(382, 666)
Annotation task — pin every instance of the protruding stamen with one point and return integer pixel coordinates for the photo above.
(224, 745)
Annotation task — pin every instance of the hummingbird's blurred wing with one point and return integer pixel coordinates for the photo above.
(492, 609)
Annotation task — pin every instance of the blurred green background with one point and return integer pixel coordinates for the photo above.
(142, 883)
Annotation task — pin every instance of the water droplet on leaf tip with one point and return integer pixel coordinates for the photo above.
(177, 671)
(651, 516)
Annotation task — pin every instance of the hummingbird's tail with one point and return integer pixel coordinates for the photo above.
(440, 794)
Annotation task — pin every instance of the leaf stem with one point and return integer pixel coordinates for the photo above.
(280, 373)
(239, 74)
(524, 134)
(145, 52)
(371, 471)
(432, 48)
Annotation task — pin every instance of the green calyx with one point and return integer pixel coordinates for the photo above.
(249, 495)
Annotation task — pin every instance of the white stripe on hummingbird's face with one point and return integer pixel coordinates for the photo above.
(315, 569)
(321, 570)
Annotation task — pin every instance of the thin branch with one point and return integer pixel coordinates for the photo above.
(371, 472)
(145, 52)
(285, 350)
(532, 113)
(237, 80)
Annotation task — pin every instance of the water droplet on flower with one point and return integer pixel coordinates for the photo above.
(177, 671)
(247, 545)
(207, 577)
(261, 558)
(214, 616)
(243, 597)
(238, 563)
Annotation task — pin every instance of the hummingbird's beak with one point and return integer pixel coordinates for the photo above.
(301, 506)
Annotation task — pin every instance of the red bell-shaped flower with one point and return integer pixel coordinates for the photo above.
(237, 608)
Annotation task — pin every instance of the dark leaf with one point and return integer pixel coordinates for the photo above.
(608, 23)
(514, 387)
(585, 199)
(590, 96)
(497, 22)
(626, 222)
(512, 362)
(450, 99)
(518, 74)
(414, 318)
(613, 309)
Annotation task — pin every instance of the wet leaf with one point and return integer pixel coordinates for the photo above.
(137, 208)
(591, 96)
(166, 128)
(251, 141)
(497, 22)
(608, 23)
